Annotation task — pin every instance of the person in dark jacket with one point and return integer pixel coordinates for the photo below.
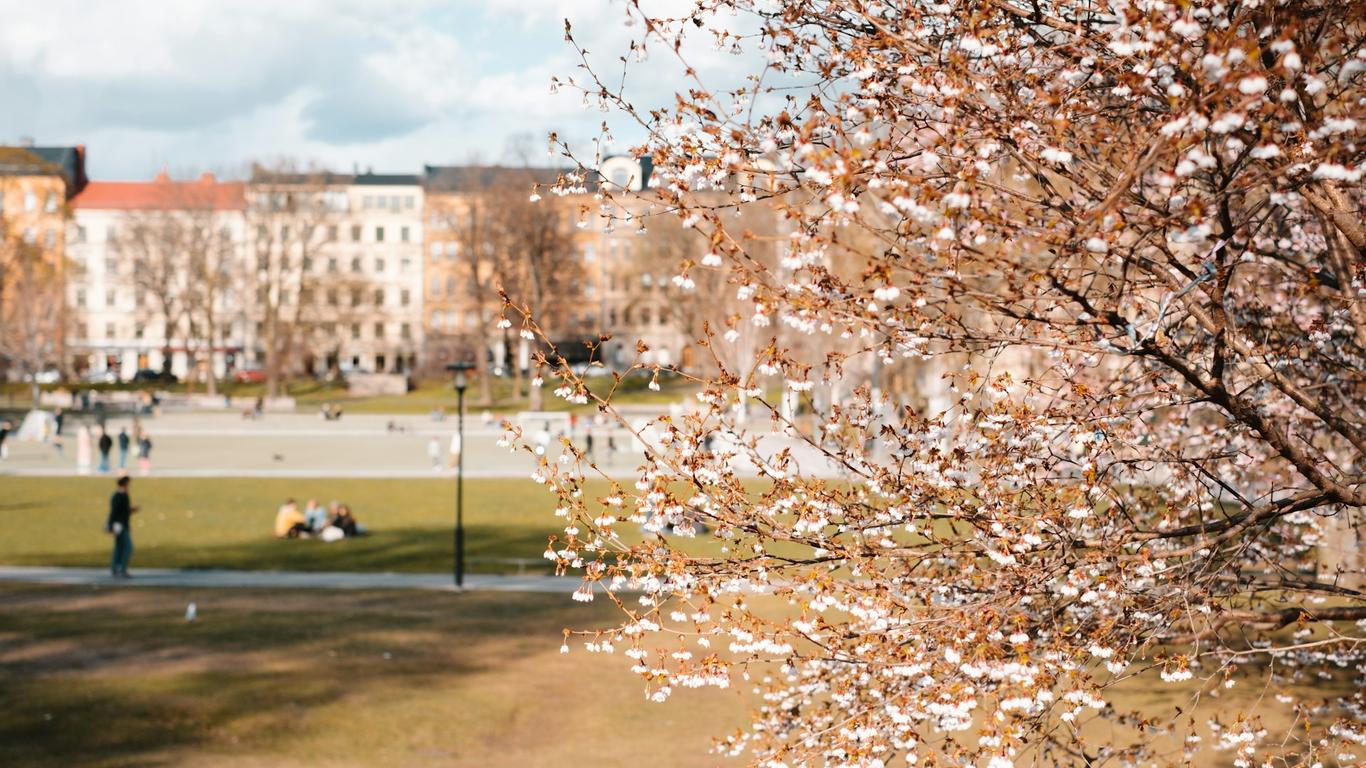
(5, 429)
(121, 512)
(124, 442)
(106, 444)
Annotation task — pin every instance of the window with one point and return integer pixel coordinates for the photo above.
(305, 296)
(284, 233)
(379, 234)
(355, 330)
(109, 298)
(644, 315)
(379, 265)
(138, 331)
(404, 297)
(436, 286)
(663, 314)
(403, 234)
(355, 297)
(308, 263)
(110, 265)
(332, 264)
(80, 298)
(450, 286)
(645, 280)
(379, 330)
(261, 232)
(140, 298)
(589, 252)
(331, 298)
(50, 204)
(394, 202)
(109, 330)
(30, 201)
(80, 234)
(409, 202)
(30, 235)
(452, 250)
(452, 318)
(355, 264)
(436, 251)
(405, 331)
(355, 233)
(367, 202)
(379, 297)
(405, 264)
(626, 316)
(50, 239)
(612, 317)
(331, 233)
(435, 321)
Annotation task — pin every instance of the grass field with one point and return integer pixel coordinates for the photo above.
(227, 523)
(109, 677)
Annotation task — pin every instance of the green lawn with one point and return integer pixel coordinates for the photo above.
(226, 523)
(106, 677)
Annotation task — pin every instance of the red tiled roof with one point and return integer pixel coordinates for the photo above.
(162, 194)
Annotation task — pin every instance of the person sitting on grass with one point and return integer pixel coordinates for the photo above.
(315, 516)
(290, 522)
(346, 522)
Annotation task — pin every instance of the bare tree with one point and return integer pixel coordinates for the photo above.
(31, 323)
(292, 222)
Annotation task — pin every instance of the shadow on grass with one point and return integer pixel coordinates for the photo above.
(404, 550)
(117, 677)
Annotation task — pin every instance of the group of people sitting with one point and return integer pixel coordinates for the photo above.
(330, 524)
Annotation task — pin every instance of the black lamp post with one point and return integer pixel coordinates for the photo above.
(461, 383)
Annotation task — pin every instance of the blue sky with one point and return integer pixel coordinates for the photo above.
(198, 85)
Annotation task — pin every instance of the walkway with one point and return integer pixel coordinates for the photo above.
(221, 579)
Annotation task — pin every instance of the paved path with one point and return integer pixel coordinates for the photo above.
(220, 579)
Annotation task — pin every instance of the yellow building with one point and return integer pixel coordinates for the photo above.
(35, 185)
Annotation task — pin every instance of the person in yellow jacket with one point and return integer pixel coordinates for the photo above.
(290, 523)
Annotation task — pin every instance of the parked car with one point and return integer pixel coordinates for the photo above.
(149, 376)
(100, 377)
(44, 377)
(249, 375)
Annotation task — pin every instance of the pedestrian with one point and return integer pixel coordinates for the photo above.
(106, 444)
(5, 428)
(455, 449)
(58, 417)
(588, 441)
(83, 450)
(144, 454)
(123, 447)
(121, 512)
(434, 453)
(259, 408)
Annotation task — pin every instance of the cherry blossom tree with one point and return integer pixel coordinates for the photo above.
(1128, 240)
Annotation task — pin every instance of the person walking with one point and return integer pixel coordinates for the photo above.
(121, 512)
(58, 417)
(144, 454)
(5, 428)
(106, 444)
(434, 453)
(455, 450)
(123, 447)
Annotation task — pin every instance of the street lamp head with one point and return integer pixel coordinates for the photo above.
(459, 369)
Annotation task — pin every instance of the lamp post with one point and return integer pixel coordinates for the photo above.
(461, 383)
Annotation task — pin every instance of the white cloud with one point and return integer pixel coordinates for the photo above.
(216, 83)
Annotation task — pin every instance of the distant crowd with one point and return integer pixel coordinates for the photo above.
(333, 523)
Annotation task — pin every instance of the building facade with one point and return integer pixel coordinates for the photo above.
(158, 278)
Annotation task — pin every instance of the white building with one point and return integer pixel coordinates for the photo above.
(143, 252)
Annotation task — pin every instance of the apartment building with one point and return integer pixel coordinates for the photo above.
(337, 266)
(158, 277)
(35, 185)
